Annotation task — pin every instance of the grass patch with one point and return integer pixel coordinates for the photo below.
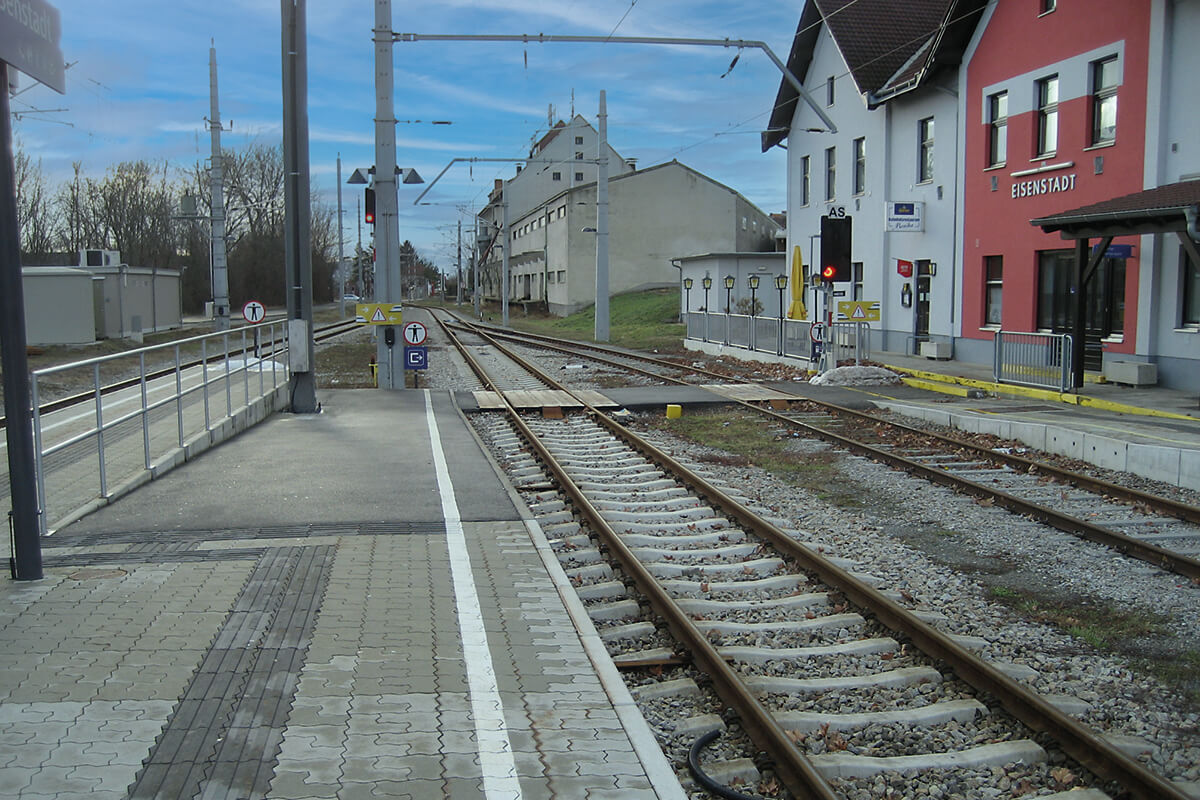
(750, 443)
(639, 321)
(1142, 637)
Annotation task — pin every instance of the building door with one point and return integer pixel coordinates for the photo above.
(1104, 301)
(923, 276)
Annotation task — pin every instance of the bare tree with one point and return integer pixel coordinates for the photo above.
(34, 220)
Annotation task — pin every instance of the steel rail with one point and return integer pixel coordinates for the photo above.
(1076, 739)
(795, 770)
(1131, 546)
(327, 332)
(1174, 508)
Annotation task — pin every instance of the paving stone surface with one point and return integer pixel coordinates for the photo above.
(303, 659)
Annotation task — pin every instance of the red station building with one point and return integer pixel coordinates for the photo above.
(1055, 119)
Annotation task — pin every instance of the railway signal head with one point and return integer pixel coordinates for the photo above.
(369, 205)
(835, 248)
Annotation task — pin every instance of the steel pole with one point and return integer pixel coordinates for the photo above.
(601, 331)
(27, 546)
(389, 280)
(341, 237)
(297, 233)
(220, 279)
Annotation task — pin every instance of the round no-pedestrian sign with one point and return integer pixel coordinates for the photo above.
(414, 333)
(254, 312)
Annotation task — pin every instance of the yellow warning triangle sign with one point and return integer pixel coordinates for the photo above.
(378, 316)
(859, 312)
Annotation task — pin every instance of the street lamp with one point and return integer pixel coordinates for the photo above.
(729, 282)
(687, 291)
(752, 339)
(706, 282)
(781, 285)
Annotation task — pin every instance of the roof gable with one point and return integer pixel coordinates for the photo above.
(889, 47)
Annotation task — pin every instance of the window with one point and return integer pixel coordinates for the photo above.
(1104, 101)
(1104, 295)
(804, 178)
(830, 173)
(829, 91)
(578, 140)
(1047, 128)
(1190, 271)
(925, 150)
(562, 276)
(993, 276)
(556, 176)
(860, 165)
(998, 129)
(856, 278)
(579, 155)
(1048, 5)
(578, 176)
(744, 223)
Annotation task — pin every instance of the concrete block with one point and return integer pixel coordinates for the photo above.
(937, 350)
(1157, 462)
(167, 463)
(966, 422)
(1135, 373)
(1189, 469)
(1104, 452)
(1064, 442)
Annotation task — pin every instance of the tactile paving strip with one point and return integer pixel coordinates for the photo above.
(223, 738)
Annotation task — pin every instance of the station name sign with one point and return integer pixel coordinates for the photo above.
(1038, 186)
(30, 31)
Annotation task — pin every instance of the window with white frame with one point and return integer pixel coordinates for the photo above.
(556, 176)
(829, 91)
(993, 289)
(925, 150)
(1104, 100)
(1047, 116)
(830, 173)
(860, 165)
(578, 176)
(805, 166)
(997, 129)
(578, 140)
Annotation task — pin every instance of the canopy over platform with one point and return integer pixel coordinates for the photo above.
(1173, 208)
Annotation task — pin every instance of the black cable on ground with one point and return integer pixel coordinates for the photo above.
(706, 782)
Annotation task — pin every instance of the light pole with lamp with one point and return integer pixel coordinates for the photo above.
(729, 282)
(687, 295)
(752, 280)
(706, 282)
(781, 285)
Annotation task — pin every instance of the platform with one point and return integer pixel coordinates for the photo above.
(348, 604)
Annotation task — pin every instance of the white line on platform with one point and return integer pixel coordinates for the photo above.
(495, 750)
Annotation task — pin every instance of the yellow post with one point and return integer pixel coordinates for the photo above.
(674, 411)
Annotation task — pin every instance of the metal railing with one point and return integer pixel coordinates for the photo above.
(167, 401)
(1042, 360)
(849, 340)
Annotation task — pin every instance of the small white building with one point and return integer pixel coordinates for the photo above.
(101, 298)
(59, 305)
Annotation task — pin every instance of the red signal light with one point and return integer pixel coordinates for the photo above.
(369, 206)
(829, 272)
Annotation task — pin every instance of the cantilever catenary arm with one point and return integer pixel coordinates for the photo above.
(547, 38)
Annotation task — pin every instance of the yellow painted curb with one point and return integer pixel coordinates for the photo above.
(936, 386)
(928, 381)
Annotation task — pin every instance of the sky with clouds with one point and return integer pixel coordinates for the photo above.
(138, 88)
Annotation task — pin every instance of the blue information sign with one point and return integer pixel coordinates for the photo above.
(416, 357)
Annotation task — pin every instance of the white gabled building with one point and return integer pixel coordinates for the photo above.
(655, 215)
(886, 74)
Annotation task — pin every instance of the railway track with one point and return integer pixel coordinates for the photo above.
(1154, 529)
(749, 603)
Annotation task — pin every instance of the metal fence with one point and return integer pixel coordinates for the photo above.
(1033, 359)
(849, 340)
(143, 407)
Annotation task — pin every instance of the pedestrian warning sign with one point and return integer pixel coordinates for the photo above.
(377, 313)
(858, 310)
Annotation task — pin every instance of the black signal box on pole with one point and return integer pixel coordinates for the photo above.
(369, 205)
(835, 248)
